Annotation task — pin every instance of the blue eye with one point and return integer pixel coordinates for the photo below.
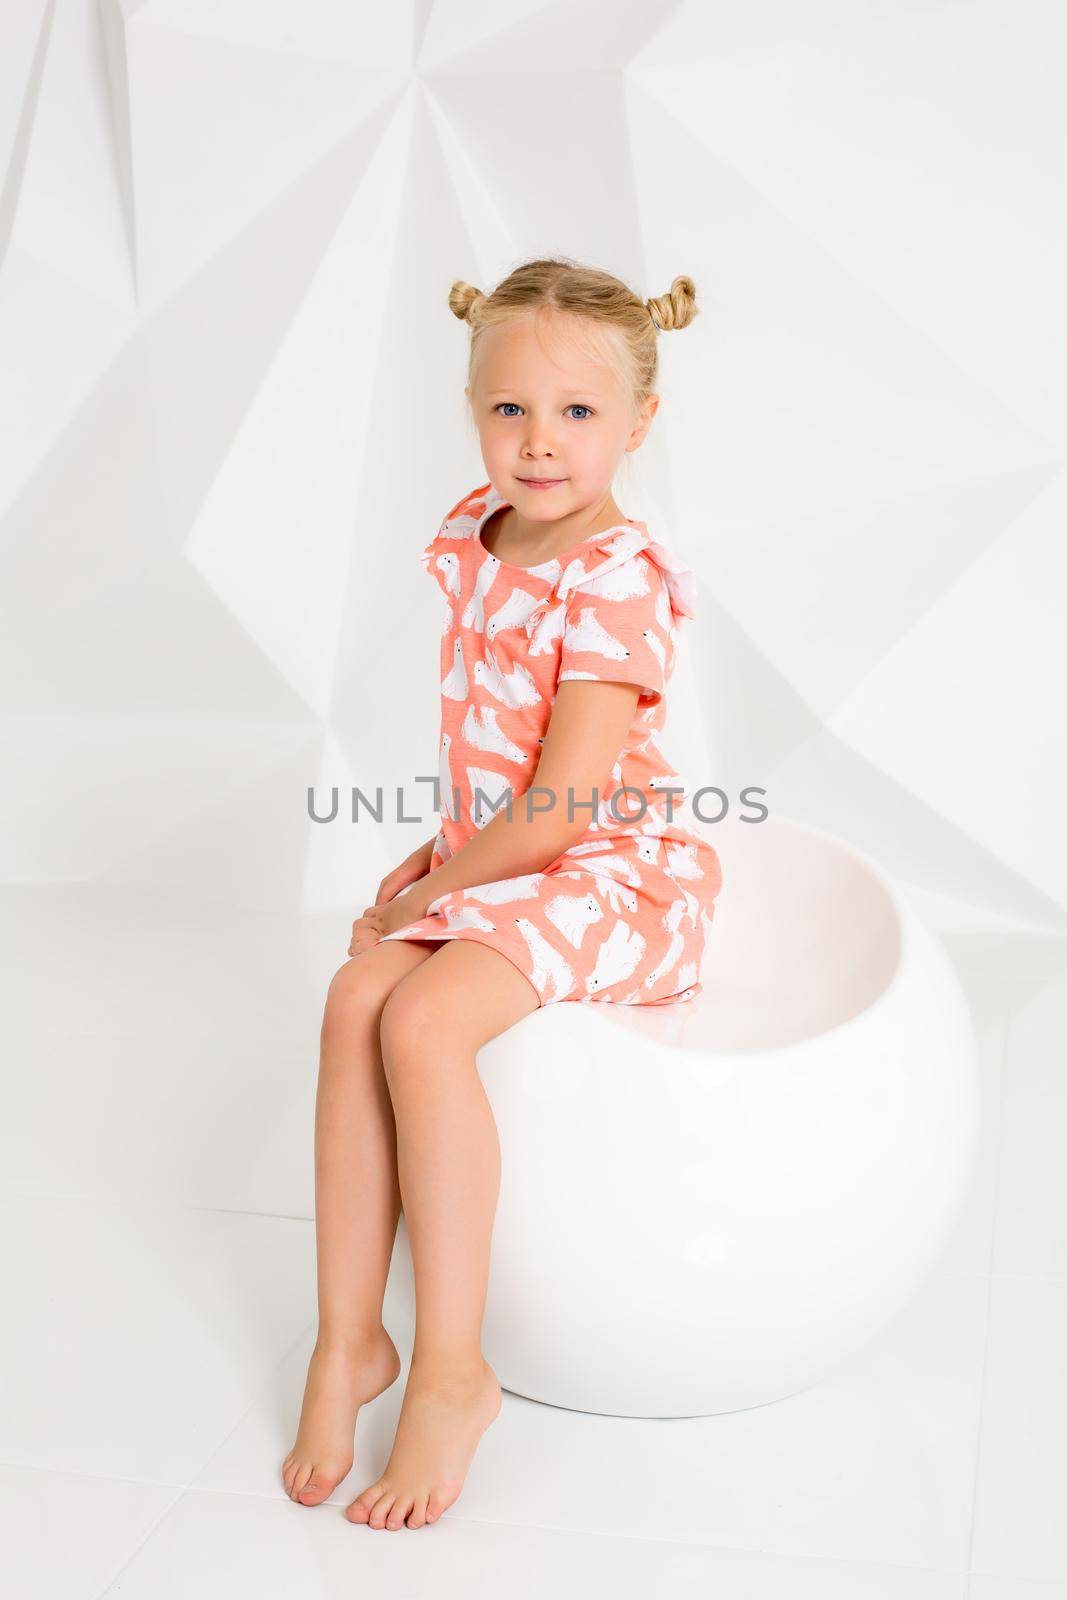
(511, 406)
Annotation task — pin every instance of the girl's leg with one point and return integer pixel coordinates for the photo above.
(357, 1203)
(448, 1160)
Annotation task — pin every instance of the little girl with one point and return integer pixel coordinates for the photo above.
(558, 872)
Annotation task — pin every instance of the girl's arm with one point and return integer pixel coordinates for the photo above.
(410, 870)
(589, 721)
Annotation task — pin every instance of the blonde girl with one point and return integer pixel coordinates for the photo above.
(562, 870)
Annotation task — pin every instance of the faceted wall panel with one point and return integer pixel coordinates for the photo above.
(232, 412)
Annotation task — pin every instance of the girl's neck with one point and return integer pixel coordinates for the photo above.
(508, 534)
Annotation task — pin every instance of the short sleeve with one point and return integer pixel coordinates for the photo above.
(618, 628)
(441, 561)
(441, 557)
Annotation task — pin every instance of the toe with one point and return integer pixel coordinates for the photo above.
(315, 1490)
(381, 1509)
(362, 1506)
(400, 1508)
(300, 1477)
(418, 1512)
(437, 1503)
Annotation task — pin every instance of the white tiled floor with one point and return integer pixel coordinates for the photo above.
(158, 1248)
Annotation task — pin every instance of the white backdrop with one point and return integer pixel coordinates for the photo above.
(231, 417)
(232, 411)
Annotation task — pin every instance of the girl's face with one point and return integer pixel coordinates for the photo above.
(546, 409)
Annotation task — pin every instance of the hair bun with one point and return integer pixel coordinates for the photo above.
(676, 308)
(462, 298)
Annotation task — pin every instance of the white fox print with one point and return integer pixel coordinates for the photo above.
(455, 685)
(574, 573)
(546, 629)
(448, 564)
(682, 860)
(656, 645)
(588, 637)
(608, 871)
(486, 804)
(672, 917)
(522, 888)
(608, 865)
(474, 611)
(448, 792)
(551, 977)
(463, 526)
(616, 958)
(688, 973)
(617, 898)
(573, 916)
(655, 823)
(463, 916)
(626, 811)
(670, 780)
(484, 734)
(515, 688)
(623, 582)
(692, 906)
(601, 848)
(512, 614)
(616, 551)
(671, 920)
(647, 849)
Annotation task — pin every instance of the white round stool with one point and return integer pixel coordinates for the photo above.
(708, 1206)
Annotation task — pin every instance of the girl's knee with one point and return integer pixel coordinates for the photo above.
(355, 995)
(411, 1016)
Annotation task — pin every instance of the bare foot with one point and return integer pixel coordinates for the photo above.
(441, 1421)
(341, 1377)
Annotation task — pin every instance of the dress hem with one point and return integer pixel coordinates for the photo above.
(475, 937)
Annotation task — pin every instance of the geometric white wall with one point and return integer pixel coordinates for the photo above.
(232, 411)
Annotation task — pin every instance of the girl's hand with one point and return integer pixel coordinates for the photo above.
(368, 929)
(390, 917)
(410, 871)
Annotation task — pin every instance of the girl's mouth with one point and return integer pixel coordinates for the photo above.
(542, 483)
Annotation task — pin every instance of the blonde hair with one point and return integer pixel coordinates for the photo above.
(601, 310)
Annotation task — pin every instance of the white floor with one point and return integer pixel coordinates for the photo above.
(156, 1176)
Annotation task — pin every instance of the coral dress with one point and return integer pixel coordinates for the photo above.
(623, 914)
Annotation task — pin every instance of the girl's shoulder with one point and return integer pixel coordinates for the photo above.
(461, 522)
(623, 563)
(472, 505)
